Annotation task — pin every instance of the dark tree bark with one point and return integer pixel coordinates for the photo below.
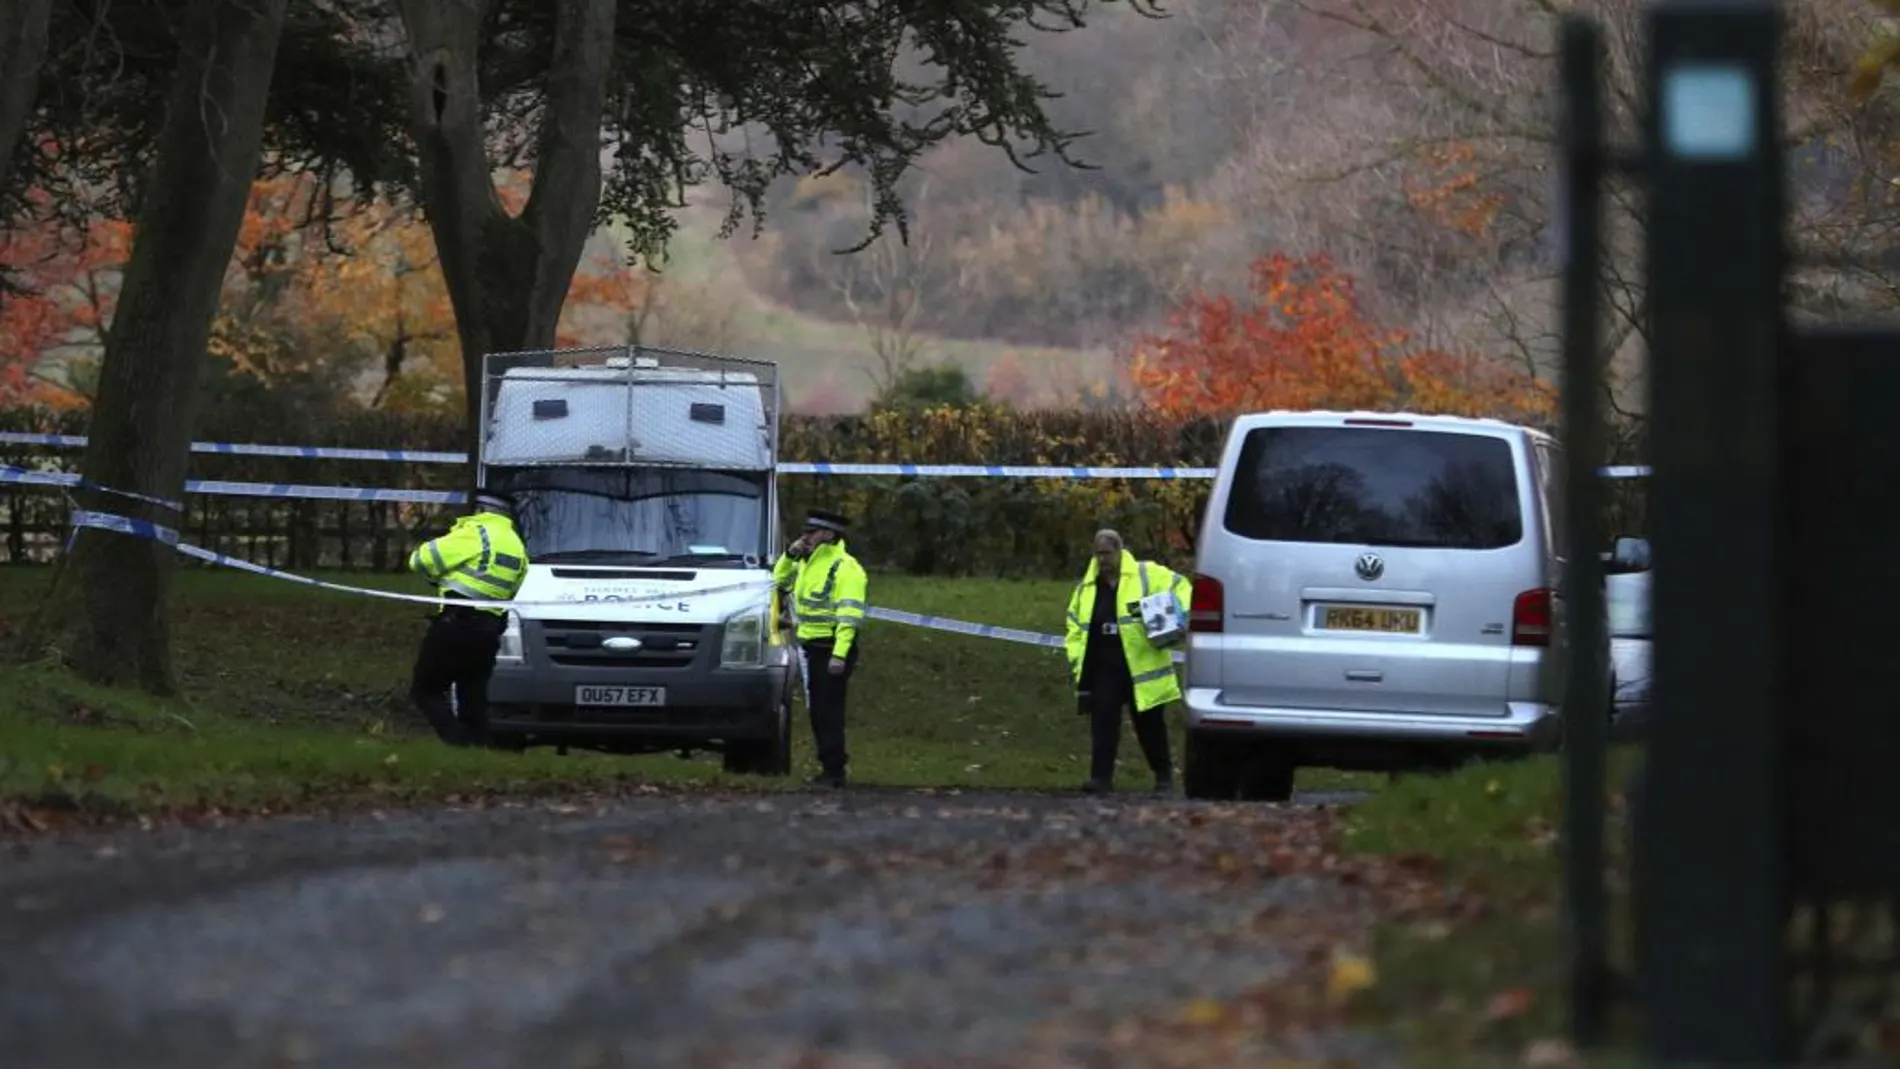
(507, 276)
(108, 612)
(22, 51)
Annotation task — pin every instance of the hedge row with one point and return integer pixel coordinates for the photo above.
(960, 526)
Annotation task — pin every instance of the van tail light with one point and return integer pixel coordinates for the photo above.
(1530, 618)
(1207, 611)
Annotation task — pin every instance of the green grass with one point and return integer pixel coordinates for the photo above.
(292, 694)
(296, 697)
(1498, 941)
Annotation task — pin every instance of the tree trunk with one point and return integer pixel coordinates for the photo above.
(507, 276)
(108, 612)
(22, 50)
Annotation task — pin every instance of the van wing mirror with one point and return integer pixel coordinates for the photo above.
(1629, 554)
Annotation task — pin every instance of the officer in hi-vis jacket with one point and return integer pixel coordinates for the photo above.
(480, 559)
(1113, 663)
(826, 587)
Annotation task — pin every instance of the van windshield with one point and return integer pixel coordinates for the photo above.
(1375, 486)
(640, 516)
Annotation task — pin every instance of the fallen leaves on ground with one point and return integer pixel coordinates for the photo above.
(1313, 943)
(1549, 1054)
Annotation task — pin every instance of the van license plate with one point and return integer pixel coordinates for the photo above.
(1355, 618)
(621, 696)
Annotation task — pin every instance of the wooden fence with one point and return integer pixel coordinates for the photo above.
(960, 526)
(293, 535)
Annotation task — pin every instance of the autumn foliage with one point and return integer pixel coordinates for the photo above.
(1299, 339)
(319, 288)
(1450, 190)
(61, 281)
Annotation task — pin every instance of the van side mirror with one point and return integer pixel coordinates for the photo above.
(1628, 554)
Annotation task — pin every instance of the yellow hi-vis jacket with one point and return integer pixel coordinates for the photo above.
(480, 558)
(1151, 669)
(828, 591)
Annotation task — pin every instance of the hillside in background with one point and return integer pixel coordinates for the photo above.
(1264, 186)
(704, 298)
(1410, 142)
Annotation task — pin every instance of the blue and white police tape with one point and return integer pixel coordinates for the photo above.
(227, 488)
(420, 456)
(68, 481)
(304, 452)
(964, 627)
(991, 471)
(106, 521)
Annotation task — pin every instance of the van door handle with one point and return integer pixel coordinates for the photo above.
(1364, 675)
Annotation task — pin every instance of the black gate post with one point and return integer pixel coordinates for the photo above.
(1710, 886)
(1586, 726)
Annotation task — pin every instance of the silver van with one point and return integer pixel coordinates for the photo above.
(1374, 591)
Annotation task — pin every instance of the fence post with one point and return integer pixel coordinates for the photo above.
(16, 527)
(1586, 728)
(1709, 826)
(344, 556)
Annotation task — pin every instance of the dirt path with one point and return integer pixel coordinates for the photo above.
(855, 929)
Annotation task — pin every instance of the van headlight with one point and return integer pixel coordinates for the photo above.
(510, 650)
(743, 644)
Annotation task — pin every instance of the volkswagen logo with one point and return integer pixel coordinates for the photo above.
(1369, 566)
(621, 642)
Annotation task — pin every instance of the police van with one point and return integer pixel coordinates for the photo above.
(647, 496)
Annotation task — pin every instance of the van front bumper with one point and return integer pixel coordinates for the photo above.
(1526, 725)
(720, 704)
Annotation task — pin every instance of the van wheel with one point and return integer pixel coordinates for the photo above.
(1210, 769)
(764, 757)
(1266, 774)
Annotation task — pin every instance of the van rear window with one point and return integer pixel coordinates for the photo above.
(1375, 486)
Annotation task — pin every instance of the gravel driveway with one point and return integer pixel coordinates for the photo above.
(868, 928)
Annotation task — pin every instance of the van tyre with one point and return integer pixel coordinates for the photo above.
(1210, 768)
(764, 757)
(1266, 774)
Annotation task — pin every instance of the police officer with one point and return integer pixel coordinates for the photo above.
(480, 559)
(1114, 665)
(827, 589)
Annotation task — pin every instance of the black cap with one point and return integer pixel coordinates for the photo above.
(827, 520)
(494, 500)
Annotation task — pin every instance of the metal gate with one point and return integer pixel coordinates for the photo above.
(1766, 817)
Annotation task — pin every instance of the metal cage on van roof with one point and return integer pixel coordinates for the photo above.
(629, 405)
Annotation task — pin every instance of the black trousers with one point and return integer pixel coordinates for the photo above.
(824, 700)
(457, 651)
(1104, 701)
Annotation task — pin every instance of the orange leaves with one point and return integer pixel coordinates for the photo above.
(1452, 192)
(367, 293)
(600, 299)
(1300, 343)
(68, 282)
(1472, 384)
(1301, 340)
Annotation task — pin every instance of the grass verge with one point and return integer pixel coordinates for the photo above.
(1477, 977)
(295, 696)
